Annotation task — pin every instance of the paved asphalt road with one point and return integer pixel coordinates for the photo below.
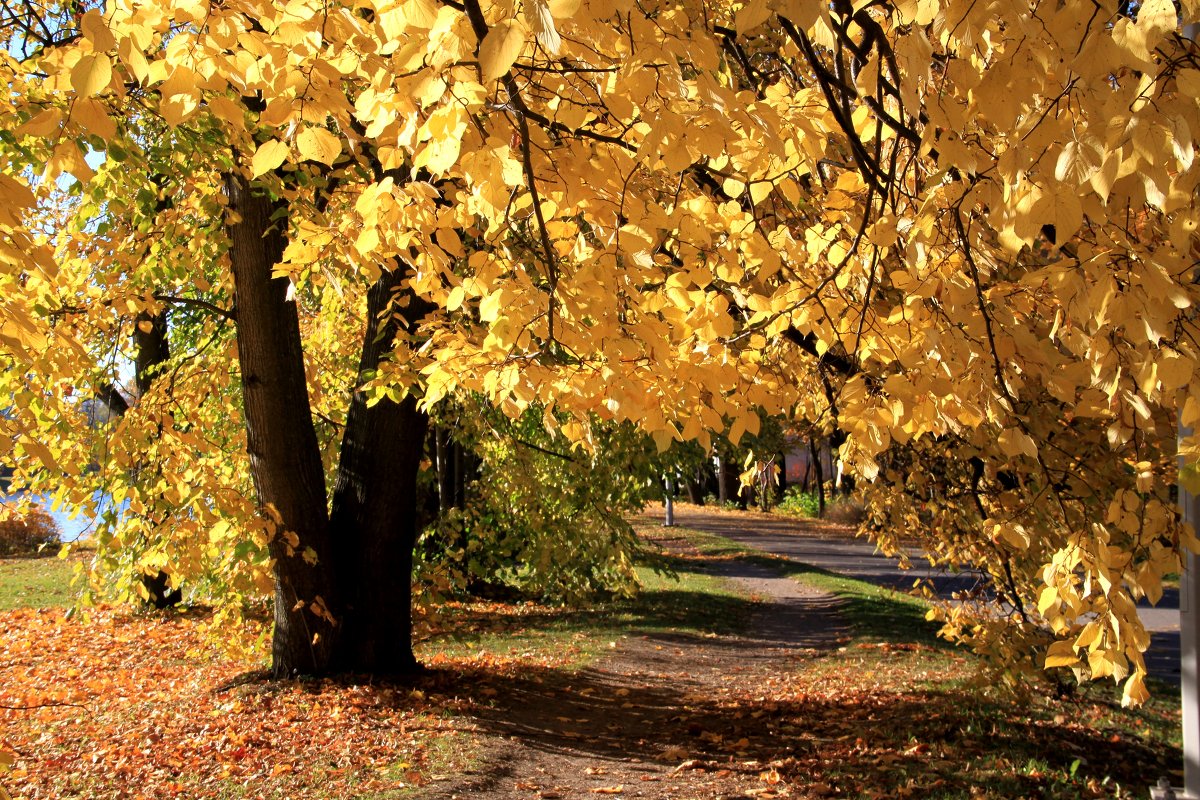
(857, 558)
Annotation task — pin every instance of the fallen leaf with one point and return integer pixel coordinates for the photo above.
(673, 753)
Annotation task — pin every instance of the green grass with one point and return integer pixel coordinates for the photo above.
(677, 597)
(36, 583)
(875, 613)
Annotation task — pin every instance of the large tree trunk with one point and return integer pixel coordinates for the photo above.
(373, 519)
(285, 461)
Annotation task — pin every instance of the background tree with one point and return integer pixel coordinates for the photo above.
(542, 519)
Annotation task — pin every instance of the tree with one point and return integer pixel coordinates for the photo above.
(953, 235)
(540, 520)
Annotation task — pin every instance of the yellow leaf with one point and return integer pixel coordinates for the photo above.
(96, 31)
(1089, 635)
(91, 74)
(178, 108)
(1014, 442)
(43, 124)
(489, 307)
(227, 110)
(1101, 664)
(93, 116)
(1174, 371)
(541, 22)
(500, 48)
(318, 144)
(737, 429)
(221, 531)
(1061, 654)
(564, 9)
(1047, 598)
(751, 15)
(368, 240)
(134, 59)
(421, 13)
(1188, 81)
(1062, 210)
(268, 157)
(1135, 692)
(41, 453)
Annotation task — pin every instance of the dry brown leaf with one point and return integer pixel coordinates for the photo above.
(691, 763)
(672, 753)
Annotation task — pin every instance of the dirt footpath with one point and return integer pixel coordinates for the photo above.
(679, 717)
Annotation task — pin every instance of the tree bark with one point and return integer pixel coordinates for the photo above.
(731, 485)
(152, 349)
(285, 461)
(695, 491)
(375, 504)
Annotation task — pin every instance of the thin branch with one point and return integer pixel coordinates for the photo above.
(540, 449)
(229, 314)
(53, 704)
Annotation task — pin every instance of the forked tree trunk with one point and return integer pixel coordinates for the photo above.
(373, 519)
(343, 575)
(285, 461)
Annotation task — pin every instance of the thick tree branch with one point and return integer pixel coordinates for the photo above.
(844, 365)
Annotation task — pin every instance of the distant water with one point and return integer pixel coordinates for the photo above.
(73, 523)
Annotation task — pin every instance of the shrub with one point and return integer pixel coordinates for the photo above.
(798, 502)
(838, 507)
(29, 534)
(542, 521)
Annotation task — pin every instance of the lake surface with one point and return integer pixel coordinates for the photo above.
(73, 523)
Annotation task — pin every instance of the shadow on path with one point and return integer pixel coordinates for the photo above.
(692, 718)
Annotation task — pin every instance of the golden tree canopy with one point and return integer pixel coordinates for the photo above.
(963, 233)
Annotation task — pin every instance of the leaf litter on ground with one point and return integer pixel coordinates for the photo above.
(124, 705)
